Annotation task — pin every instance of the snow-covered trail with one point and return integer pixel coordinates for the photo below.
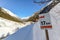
(25, 33)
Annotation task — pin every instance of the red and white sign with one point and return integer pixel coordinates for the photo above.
(45, 21)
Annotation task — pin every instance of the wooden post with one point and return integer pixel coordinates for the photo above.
(47, 36)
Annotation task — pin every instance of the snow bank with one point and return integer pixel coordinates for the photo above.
(10, 27)
(54, 33)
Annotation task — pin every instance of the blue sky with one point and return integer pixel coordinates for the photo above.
(22, 8)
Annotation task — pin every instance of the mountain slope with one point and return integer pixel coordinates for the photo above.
(9, 15)
(33, 18)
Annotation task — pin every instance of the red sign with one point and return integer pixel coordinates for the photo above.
(42, 27)
(41, 17)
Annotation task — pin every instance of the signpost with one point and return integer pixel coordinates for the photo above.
(44, 17)
(45, 23)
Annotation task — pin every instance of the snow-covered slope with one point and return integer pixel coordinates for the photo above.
(7, 25)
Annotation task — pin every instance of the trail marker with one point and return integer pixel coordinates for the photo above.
(45, 21)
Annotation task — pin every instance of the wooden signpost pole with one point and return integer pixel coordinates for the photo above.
(47, 35)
